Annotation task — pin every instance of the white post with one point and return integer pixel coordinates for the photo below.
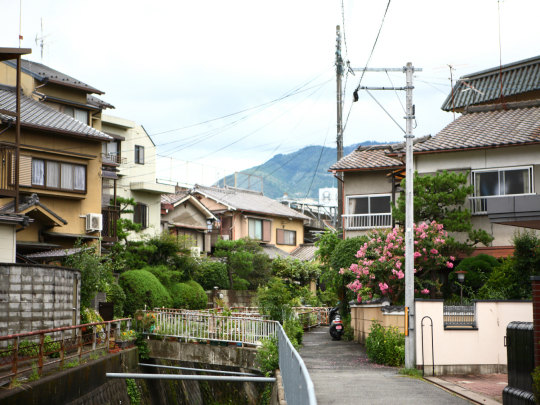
(410, 341)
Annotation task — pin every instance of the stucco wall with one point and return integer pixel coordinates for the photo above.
(7, 243)
(37, 297)
(465, 351)
(367, 182)
(363, 315)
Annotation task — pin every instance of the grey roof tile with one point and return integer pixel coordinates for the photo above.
(305, 251)
(273, 251)
(248, 200)
(27, 202)
(367, 158)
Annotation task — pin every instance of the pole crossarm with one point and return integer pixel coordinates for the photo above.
(392, 118)
(403, 69)
(190, 377)
(382, 88)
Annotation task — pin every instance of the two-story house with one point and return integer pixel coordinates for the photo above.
(496, 140)
(244, 213)
(134, 153)
(60, 177)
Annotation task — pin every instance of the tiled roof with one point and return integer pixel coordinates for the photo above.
(517, 77)
(373, 157)
(305, 251)
(96, 102)
(248, 200)
(173, 198)
(36, 114)
(273, 251)
(53, 253)
(40, 72)
(498, 127)
(27, 202)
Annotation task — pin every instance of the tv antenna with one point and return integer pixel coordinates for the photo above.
(40, 41)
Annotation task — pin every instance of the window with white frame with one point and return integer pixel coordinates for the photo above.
(499, 182)
(368, 211)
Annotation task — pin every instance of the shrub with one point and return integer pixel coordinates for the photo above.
(348, 331)
(268, 356)
(188, 295)
(212, 274)
(526, 262)
(272, 298)
(143, 288)
(294, 331)
(385, 346)
(142, 346)
(536, 384)
(477, 268)
(501, 282)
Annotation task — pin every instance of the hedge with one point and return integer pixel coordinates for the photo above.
(188, 295)
(143, 288)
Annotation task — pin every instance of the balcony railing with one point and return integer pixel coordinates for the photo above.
(479, 204)
(113, 158)
(367, 221)
(110, 215)
(7, 170)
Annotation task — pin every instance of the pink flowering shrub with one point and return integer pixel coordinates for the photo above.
(381, 267)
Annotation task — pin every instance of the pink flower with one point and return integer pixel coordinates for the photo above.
(452, 258)
(425, 291)
(434, 251)
(400, 274)
(359, 298)
(354, 267)
(342, 271)
(398, 265)
(372, 276)
(449, 265)
(383, 287)
(417, 254)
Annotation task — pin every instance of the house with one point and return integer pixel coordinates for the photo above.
(496, 142)
(60, 177)
(133, 153)
(244, 213)
(183, 214)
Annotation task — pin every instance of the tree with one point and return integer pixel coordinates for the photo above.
(441, 198)
(124, 226)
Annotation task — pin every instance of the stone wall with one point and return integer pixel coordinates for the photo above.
(37, 297)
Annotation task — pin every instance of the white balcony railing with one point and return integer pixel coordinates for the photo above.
(479, 204)
(113, 158)
(367, 221)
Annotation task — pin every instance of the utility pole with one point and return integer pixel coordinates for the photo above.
(410, 339)
(339, 93)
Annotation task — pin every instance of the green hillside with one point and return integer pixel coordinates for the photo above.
(293, 173)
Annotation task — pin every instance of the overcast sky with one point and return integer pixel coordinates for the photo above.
(172, 64)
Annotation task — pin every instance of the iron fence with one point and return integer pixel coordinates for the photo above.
(62, 344)
(297, 384)
(457, 314)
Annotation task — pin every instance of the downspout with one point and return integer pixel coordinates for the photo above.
(43, 96)
(24, 224)
(10, 123)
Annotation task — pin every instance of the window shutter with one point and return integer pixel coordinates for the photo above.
(280, 236)
(293, 234)
(267, 230)
(25, 170)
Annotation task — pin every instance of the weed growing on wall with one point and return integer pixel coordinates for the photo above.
(142, 346)
(268, 356)
(385, 346)
(35, 373)
(132, 391)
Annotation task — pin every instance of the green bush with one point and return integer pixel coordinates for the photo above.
(348, 331)
(142, 346)
(268, 356)
(188, 295)
(526, 262)
(143, 288)
(478, 270)
(385, 346)
(212, 274)
(536, 384)
(294, 331)
(501, 282)
(272, 298)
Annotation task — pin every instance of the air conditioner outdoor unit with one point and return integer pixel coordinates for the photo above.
(94, 222)
(195, 251)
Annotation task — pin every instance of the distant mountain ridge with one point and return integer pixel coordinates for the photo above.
(292, 173)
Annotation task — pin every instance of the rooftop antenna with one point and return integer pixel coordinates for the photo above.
(41, 40)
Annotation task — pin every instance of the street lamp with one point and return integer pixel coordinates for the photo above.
(461, 279)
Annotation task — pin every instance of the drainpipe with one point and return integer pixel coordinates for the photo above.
(10, 123)
(43, 96)
(24, 224)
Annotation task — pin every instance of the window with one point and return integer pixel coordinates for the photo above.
(326, 197)
(499, 182)
(140, 215)
(139, 154)
(58, 175)
(259, 229)
(77, 113)
(370, 204)
(285, 237)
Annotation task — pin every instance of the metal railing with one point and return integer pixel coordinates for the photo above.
(113, 158)
(110, 216)
(322, 313)
(7, 172)
(367, 221)
(459, 315)
(59, 348)
(204, 326)
(297, 384)
(214, 311)
(479, 204)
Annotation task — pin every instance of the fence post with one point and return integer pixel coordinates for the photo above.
(108, 336)
(94, 338)
(62, 349)
(15, 355)
(79, 344)
(41, 351)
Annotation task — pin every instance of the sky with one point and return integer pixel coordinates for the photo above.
(169, 65)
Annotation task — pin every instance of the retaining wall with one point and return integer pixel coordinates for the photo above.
(363, 315)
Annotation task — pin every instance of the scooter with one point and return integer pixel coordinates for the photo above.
(336, 325)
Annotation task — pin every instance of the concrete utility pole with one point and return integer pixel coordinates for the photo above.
(410, 340)
(339, 93)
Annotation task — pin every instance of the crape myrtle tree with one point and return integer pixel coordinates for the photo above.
(380, 270)
(441, 198)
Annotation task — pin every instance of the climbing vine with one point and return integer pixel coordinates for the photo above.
(132, 391)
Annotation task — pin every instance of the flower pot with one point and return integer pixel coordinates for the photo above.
(224, 344)
(232, 344)
(83, 328)
(214, 343)
(439, 295)
(139, 317)
(195, 343)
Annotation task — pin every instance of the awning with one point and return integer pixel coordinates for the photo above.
(68, 235)
(105, 174)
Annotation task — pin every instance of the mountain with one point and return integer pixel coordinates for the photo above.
(293, 173)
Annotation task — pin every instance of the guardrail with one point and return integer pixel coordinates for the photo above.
(204, 326)
(297, 384)
(367, 221)
(59, 345)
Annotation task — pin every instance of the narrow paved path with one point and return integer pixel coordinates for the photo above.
(343, 375)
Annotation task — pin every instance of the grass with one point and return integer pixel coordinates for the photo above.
(411, 373)
(72, 364)
(35, 373)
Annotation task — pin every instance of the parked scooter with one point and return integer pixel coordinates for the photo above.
(336, 325)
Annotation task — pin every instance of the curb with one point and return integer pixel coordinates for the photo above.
(462, 392)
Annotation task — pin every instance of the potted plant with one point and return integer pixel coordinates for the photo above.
(438, 285)
(139, 315)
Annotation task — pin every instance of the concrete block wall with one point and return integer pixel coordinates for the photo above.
(37, 297)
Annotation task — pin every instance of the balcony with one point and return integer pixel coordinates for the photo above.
(111, 214)
(479, 205)
(358, 222)
(113, 158)
(7, 175)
